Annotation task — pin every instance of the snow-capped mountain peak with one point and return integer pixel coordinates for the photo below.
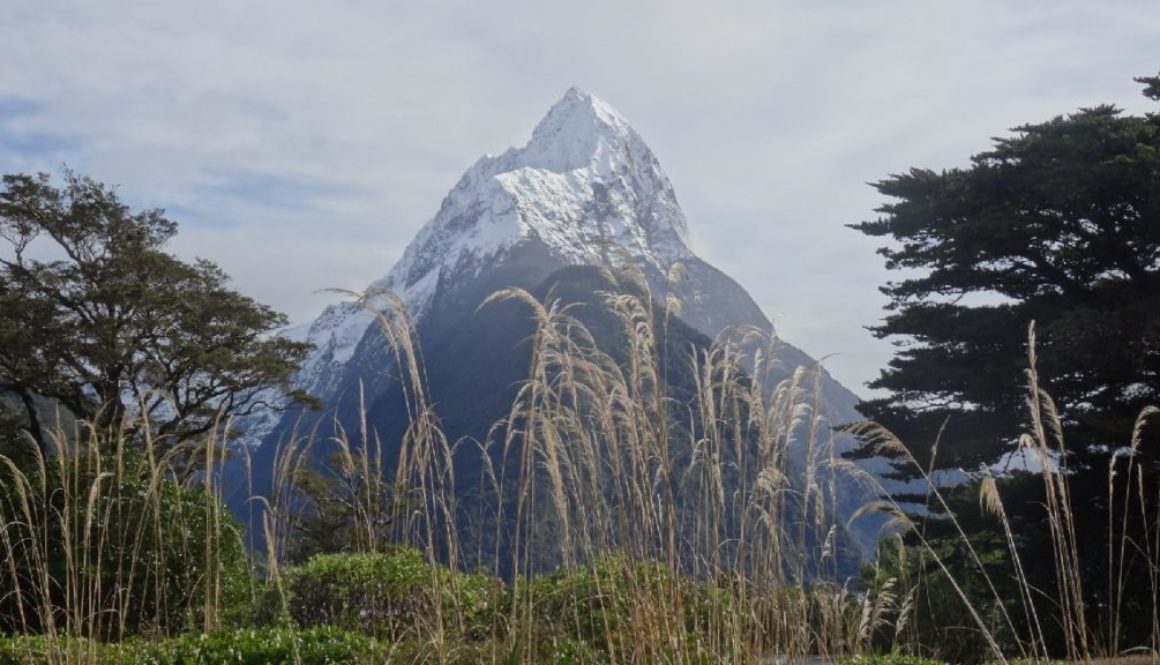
(578, 130)
(584, 190)
(584, 181)
(585, 186)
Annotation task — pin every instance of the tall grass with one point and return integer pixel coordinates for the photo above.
(101, 539)
(689, 509)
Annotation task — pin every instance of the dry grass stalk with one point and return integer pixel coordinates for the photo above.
(735, 490)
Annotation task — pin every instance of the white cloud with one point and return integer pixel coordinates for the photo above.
(302, 144)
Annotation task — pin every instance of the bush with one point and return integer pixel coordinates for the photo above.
(391, 595)
(267, 647)
(616, 611)
(100, 547)
(316, 646)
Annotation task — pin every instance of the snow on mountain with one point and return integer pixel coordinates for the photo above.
(584, 183)
(582, 151)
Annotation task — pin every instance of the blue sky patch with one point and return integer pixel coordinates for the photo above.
(276, 190)
(17, 139)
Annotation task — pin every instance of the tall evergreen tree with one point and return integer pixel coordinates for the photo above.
(1058, 224)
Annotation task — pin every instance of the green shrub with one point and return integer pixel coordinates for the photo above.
(278, 646)
(391, 595)
(97, 547)
(480, 603)
(569, 651)
(379, 594)
(42, 650)
(614, 611)
(939, 622)
(317, 646)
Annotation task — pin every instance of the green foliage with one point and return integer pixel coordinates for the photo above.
(592, 603)
(570, 651)
(319, 646)
(101, 547)
(380, 594)
(42, 650)
(938, 621)
(119, 325)
(394, 595)
(316, 646)
(1058, 224)
(343, 506)
(616, 611)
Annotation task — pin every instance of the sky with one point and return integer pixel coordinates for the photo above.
(301, 145)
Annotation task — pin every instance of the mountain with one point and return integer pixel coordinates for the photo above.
(585, 193)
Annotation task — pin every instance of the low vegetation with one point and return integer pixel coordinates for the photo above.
(120, 554)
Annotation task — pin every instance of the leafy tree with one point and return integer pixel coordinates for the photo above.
(1058, 224)
(120, 332)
